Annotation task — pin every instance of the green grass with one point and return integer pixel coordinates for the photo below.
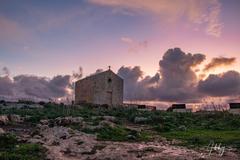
(162, 121)
(120, 133)
(200, 128)
(7, 142)
(11, 149)
(201, 138)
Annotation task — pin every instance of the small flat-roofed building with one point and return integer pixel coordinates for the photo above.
(178, 108)
(234, 108)
(146, 107)
(102, 88)
(141, 106)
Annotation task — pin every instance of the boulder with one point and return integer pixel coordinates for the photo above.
(37, 137)
(182, 128)
(36, 141)
(131, 137)
(44, 122)
(140, 120)
(77, 120)
(105, 123)
(92, 128)
(1, 131)
(15, 118)
(4, 120)
(63, 121)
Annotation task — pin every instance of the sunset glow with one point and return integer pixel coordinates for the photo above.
(50, 38)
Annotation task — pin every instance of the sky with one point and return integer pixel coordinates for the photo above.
(51, 38)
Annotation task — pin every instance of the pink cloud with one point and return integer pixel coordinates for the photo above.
(10, 30)
(133, 45)
(196, 11)
(49, 19)
(219, 62)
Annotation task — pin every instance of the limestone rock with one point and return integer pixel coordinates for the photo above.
(182, 128)
(109, 118)
(140, 120)
(4, 120)
(63, 143)
(44, 122)
(1, 131)
(105, 123)
(68, 120)
(15, 118)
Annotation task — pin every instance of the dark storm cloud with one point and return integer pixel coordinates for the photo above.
(41, 87)
(131, 77)
(220, 61)
(147, 87)
(178, 80)
(150, 81)
(135, 86)
(26, 86)
(177, 83)
(59, 84)
(225, 84)
(6, 86)
(176, 68)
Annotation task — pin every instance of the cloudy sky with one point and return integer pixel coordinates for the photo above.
(178, 50)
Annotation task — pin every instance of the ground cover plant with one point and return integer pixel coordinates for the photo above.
(12, 149)
(193, 129)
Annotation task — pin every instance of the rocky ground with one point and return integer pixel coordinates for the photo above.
(65, 143)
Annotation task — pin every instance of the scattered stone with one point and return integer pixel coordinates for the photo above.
(77, 120)
(40, 128)
(105, 123)
(44, 122)
(37, 137)
(36, 141)
(131, 137)
(92, 128)
(1, 131)
(140, 120)
(18, 130)
(109, 118)
(182, 128)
